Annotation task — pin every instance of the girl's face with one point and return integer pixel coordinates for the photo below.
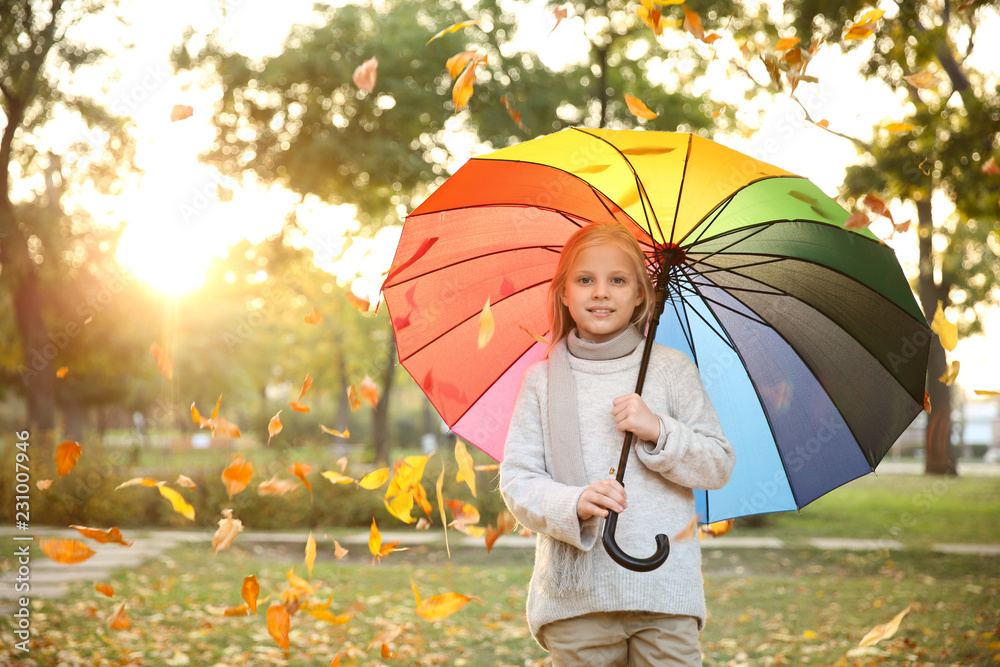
(602, 292)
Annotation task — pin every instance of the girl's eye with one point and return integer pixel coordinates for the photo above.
(618, 280)
(583, 280)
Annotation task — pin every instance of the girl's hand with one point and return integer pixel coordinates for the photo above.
(599, 497)
(632, 414)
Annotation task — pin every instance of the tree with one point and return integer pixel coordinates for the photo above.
(38, 240)
(299, 121)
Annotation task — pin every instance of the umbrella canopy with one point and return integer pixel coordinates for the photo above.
(807, 337)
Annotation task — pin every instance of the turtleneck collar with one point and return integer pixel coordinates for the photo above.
(621, 345)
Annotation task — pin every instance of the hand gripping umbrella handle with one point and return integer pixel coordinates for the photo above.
(611, 524)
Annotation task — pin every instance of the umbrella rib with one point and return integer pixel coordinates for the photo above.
(442, 267)
(724, 269)
(753, 232)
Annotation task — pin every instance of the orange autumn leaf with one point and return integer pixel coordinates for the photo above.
(250, 591)
(487, 326)
(276, 487)
(67, 454)
(857, 220)
(274, 426)
(865, 26)
(43, 484)
(923, 80)
(786, 43)
(119, 619)
(884, 631)
(986, 392)
(899, 127)
(365, 75)
(465, 470)
(515, 115)
(314, 317)
(352, 398)
(360, 304)
(386, 636)
(559, 13)
(177, 501)
(298, 407)
(463, 512)
(241, 610)
(306, 384)
(441, 606)
(339, 552)
(377, 548)
(228, 529)
(180, 112)
(237, 475)
(824, 123)
(310, 554)
(65, 551)
(185, 481)
(491, 537)
(877, 206)
(692, 23)
(278, 624)
(346, 433)
(990, 167)
(369, 391)
(715, 529)
(104, 589)
(300, 470)
(223, 428)
(61, 373)
(457, 62)
(453, 28)
(638, 109)
(136, 481)
(461, 92)
(162, 361)
(927, 402)
(109, 536)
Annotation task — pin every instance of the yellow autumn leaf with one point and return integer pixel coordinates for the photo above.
(923, 80)
(899, 127)
(401, 506)
(62, 371)
(441, 606)
(453, 28)
(352, 398)
(227, 531)
(884, 631)
(536, 337)
(950, 375)
(465, 469)
(177, 501)
(439, 487)
(310, 554)
(946, 331)
(487, 326)
(278, 624)
(716, 529)
(274, 426)
(375, 479)
(314, 317)
(375, 540)
(638, 108)
(137, 481)
(250, 591)
(337, 478)
(346, 433)
(786, 43)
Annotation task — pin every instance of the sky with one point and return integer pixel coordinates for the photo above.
(170, 242)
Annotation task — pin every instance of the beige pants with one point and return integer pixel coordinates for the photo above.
(634, 639)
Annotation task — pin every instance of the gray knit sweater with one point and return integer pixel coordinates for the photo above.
(692, 452)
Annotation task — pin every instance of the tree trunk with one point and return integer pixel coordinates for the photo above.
(380, 419)
(939, 454)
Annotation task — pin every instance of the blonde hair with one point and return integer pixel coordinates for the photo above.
(594, 234)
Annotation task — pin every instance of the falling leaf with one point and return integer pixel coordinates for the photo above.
(927, 402)
(337, 478)
(946, 331)
(441, 606)
(950, 375)
(990, 167)
(487, 326)
(375, 479)
(923, 80)
(314, 317)
(492, 534)
(300, 470)
(439, 488)
(310, 554)
(346, 433)
(278, 624)
(462, 90)
(716, 529)
(298, 407)
(884, 631)
(515, 115)
(185, 481)
(250, 591)
(241, 610)
(109, 536)
(342, 461)
(137, 481)
(352, 398)
(228, 529)
(688, 532)
(177, 501)
(306, 384)
(823, 123)
(369, 391)
(104, 589)
(67, 454)
(857, 220)
(180, 112)
(65, 551)
(421, 251)
(465, 472)
(339, 552)
(786, 43)
(365, 75)
(899, 127)
(877, 206)
(638, 109)
(692, 23)
(375, 546)
(539, 339)
(865, 26)
(237, 475)
(453, 28)
(463, 512)
(386, 636)
(276, 487)
(162, 361)
(43, 484)
(274, 426)
(61, 373)
(119, 620)
(196, 416)
(559, 13)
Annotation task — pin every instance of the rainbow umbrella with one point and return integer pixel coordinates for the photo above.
(806, 334)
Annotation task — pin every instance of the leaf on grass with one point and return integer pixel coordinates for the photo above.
(638, 108)
(109, 536)
(716, 529)
(465, 472)
(453, 28)
(365, 75)
(278, 624)
(250, 591)
(185, 481)
(67, 454)
(180, 112)
(310, 554)
(346, 433)
(228, 529)
(884, 631)
(688, 532)
(950, 375)
(237, 475)
(274, 426)
(177, 501)
(65, 551)
(119, 619)
(487, 326)
(314, 317)
(300, 470)
(104, 589)
(62, 371)
(276, 487)
(369, 391)
(946, 331)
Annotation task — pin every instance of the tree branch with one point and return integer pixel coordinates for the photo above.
(866, 147)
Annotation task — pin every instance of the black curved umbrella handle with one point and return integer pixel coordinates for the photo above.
(631, 562)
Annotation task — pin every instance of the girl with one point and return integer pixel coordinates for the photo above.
(566, 433)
